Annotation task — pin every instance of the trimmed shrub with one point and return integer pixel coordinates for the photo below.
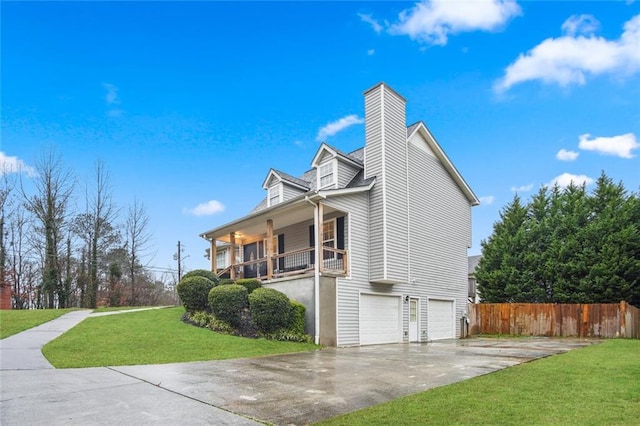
(227, 303)
(250, 283)
(298, 311)
(270, 310)
(226, 281)
(203, 273)
(201, 318)
(193, 292)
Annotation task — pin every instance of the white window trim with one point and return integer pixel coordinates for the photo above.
(334, 172)
(277, 186)
(334, 224)
(225, 259)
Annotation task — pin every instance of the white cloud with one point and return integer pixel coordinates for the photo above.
(336, 126)
(369, 20)
(620, 146)
(566, 178)
(487, 200)
(564, 155)
(205, 209)
(371, 52)
(112, 94)
(432, 21)
(10, 165)
(580, 24)
(522, 188)
(571, 58)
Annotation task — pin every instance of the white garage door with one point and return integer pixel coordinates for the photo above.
(380, 319)
(441, 323)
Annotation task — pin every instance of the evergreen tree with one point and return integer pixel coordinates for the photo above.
(565, 246)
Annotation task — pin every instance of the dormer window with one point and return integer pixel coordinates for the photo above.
(275, 194)
(326, 175)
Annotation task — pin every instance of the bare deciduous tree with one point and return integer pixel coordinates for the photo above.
(95, 227)
(53, 191)
(138, 240)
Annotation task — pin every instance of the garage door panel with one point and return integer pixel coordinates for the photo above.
(441, 323)
(379, 319)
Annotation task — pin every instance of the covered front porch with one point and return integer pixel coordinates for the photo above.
(294, 238)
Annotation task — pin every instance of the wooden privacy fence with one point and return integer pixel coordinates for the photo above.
(548, 319)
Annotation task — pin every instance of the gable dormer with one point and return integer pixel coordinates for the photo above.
(282, 187)
(334, 169)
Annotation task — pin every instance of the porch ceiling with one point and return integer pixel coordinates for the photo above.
(256, 224)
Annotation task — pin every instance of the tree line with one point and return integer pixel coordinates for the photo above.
(565, 246)
(54, 254)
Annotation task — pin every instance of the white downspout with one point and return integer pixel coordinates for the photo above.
(316, 274)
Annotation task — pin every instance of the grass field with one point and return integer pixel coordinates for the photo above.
(152, 337)
(595, 385)
(17, 320)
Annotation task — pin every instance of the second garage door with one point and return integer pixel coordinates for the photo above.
(441, 323)
(380, 320)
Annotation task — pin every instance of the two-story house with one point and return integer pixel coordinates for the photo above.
(373, 242)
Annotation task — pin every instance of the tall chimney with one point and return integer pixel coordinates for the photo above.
(386, 159)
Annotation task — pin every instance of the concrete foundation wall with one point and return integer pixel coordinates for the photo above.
(299, 289)
(328, 312)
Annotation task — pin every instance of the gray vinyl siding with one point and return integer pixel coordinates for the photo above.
(373, 167)
(346, 172)
(386, 158)
(440, 231)
(395, 176)
(296, 237)
(289, 192)
(348, 289)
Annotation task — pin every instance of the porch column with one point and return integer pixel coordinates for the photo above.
(232, 255)
(269, 249)
(320, 238)
(214, 257)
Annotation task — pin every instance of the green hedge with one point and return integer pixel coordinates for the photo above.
(193, 292)
(202, 273)
(228, 301)
(226, 281)
(298, 311)
(250, 283)
(270, 310)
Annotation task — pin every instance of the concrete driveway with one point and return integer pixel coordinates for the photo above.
(283, 389)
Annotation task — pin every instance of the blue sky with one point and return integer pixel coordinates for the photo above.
(189, 104)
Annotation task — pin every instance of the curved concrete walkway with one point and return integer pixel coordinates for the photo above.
(23, 351)
(33, 392)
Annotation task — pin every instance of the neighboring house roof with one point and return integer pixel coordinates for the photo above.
(473, 263)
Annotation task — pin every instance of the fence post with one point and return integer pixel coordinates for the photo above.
(623, 318)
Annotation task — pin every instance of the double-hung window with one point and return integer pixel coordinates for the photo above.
(326, 175)
(329, 238)
(221, 259)
(274, 194)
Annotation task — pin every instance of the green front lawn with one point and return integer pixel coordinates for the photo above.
(595, 385)
(16, 320)
(152, 337)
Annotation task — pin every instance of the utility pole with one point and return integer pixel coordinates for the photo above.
(179, 262)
